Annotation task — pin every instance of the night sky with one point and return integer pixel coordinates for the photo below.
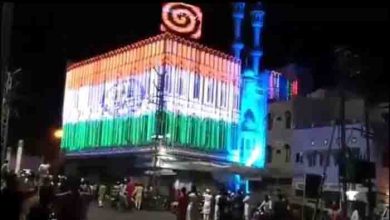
(46, 36)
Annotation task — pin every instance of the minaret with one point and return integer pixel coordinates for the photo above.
(238, 16)
(257, 19)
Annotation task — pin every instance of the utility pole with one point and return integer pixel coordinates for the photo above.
(342, 55)
(368, 152)
(159, 125)
(6, 76)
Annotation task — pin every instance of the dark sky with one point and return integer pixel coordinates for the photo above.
(45, 36)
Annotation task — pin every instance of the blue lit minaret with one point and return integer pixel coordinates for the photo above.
(257, 19)
(238, 16)
(253, 105)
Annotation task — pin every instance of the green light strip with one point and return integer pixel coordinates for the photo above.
(187, 132)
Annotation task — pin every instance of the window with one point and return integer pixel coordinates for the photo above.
(287, 115)
(299, 157)
(312, 159)
(269, 154)
(196, 86)
(270, 121)
(288, 152)
(321, 159)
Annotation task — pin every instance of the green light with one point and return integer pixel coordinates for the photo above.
(185, 131)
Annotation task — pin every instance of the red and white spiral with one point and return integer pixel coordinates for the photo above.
(182, 19)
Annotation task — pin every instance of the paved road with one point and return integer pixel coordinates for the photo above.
(96, 213)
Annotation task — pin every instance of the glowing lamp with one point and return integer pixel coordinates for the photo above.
(58, 134)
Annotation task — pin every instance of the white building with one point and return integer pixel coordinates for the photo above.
(287, 119)
(318, 151)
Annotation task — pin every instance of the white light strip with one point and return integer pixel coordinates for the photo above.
(137, 95)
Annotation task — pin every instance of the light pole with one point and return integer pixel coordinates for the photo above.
(158, 149)
(6, 76)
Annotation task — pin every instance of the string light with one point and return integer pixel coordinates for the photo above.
(109, 99)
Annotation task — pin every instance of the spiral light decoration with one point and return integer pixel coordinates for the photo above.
(182, 19)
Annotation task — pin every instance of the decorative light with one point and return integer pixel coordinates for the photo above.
(254, 156)
(111, 100)
(183, 19)
(58, 133)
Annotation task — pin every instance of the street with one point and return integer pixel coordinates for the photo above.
(96, 213)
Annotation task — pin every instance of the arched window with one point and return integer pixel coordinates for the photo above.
(270, 119)
(269, 154)
(287, 115)
(288, 152)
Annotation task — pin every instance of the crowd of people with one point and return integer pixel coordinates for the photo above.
(41, 196)
(27, 195)
(226, 205)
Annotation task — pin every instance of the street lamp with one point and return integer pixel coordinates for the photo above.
(58, 133)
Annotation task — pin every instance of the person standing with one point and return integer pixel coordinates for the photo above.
(335, 212)
(182, 205)
(207, 204)
(137, 194)
(266, 207)
(42, 210)
(101, 194)
(123, 194)
(193, 205)
(246, 201)
(216, 206)
(238, 206)
(72, 204)
(355, 215)
(224, 206)
(12, 198)
(130, 189)
(280, 208)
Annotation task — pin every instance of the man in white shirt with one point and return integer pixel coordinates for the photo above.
(355, 215)
(246, 206)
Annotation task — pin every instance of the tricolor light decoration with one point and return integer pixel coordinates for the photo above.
(110, 100)
(182, 19)
(280, 88)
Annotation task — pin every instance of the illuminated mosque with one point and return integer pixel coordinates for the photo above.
(172, 103)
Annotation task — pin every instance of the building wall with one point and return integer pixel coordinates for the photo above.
(279, 137)
(111, 100)
(380, 126)
(311, 121)
(311, 148)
